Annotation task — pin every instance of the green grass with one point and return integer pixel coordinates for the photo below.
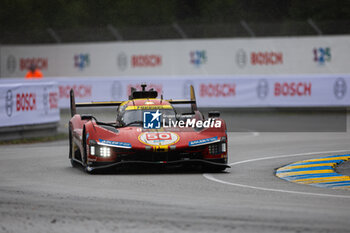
(60, 136)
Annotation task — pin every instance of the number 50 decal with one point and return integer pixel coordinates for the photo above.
(159, 138)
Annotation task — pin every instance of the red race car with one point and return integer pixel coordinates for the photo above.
(147, 131)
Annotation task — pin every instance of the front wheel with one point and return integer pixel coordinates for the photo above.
(84, 152)
(71, 149)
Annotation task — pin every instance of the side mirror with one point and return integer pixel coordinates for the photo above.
(213, 114)
(86, 116)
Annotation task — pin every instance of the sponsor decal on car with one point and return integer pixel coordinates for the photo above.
(203, 141)
(114, 143)
(159, 138)
(140, 107)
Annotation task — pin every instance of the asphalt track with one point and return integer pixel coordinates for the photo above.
(40, 192)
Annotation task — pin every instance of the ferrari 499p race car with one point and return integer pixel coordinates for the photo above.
(147, 131)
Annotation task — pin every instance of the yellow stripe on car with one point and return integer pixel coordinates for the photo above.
(150, 107)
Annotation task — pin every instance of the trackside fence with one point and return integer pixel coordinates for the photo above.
(28, 109)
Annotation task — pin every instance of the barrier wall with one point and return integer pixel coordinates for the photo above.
(262, 56)
(28, 103)
(215, 91)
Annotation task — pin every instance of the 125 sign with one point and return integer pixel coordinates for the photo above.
(322, 55)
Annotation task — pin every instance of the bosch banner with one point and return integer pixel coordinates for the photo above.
(211, 91)
(205, 57)
(27, 104)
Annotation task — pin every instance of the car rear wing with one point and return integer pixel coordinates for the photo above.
(74, 106)
(191, 101)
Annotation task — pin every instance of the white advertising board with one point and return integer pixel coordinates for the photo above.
(245, 56)
(216, 91)
(28, 103)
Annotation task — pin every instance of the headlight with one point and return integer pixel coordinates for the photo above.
(92, 150)
(217, 148)
(223, 147)
(105, 151)
(214, 149)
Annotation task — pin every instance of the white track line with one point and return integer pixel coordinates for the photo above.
(212, 178)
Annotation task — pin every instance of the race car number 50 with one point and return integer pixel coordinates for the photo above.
(159, 138)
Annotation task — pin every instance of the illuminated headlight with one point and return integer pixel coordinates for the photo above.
(223, 147)
(105, 151)
(92, 150)
(217, 148)
(214, 149)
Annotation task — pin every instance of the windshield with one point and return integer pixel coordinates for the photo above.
(136, 116)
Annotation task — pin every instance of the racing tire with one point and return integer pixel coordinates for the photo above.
(84, 152)
(71, 149)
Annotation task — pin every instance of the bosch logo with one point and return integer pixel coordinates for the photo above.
(217, 90)
(146, 60)
(293, 89)
(116, 90)
(340, 88)
(262, 89)
(80, 91)
(241, 58)
(266, 58)
(122, 61)
(11, 64)
(9, 103)
(25, 102)
(40, 62)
